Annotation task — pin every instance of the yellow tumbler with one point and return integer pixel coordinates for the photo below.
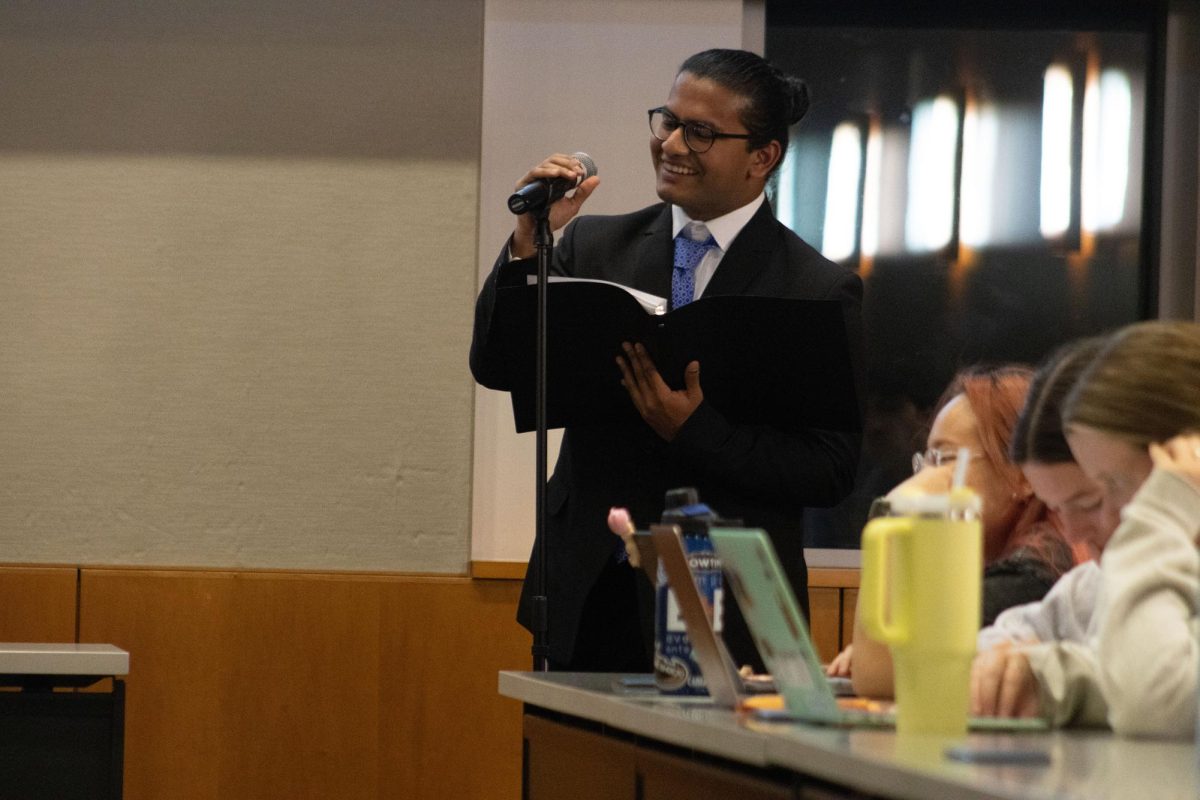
(920, 594)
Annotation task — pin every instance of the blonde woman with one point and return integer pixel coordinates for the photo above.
(1132, 422)
(1135, 415)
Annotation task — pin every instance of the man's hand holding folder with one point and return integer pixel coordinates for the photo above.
(664, 409)
(800, 374)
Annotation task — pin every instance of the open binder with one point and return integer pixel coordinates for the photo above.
(763, 360)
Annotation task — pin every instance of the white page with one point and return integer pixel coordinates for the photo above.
(653, 304)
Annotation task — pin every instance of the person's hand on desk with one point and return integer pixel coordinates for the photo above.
(664, 409)
(561, 212)
(1003, 684)
(839, 667)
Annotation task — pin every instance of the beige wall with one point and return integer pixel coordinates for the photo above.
(237, 250)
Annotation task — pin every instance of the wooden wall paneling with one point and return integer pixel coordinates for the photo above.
(37, 604)
(837, 577)
(825, 619)
(499, 570)
(849, 606)
(261, 684)
(242, 685)
(299, 685)
(447, 731)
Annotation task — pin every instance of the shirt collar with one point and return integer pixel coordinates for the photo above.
(725, 228)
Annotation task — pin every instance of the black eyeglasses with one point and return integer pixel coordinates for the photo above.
(696, 135)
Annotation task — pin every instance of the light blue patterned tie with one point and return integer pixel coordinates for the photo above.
(688, 255)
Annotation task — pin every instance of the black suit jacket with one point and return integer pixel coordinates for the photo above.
(760, 475)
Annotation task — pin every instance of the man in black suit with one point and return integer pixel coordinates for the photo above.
(720, 136)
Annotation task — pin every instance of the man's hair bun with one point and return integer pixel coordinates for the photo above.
(798, 90)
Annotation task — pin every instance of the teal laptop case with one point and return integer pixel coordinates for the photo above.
(756, 578)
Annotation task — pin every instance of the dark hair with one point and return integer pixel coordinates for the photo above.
(774, 101)
(1038, 435)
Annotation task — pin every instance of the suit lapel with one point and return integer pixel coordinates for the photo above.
(656, 254)
(747, 256)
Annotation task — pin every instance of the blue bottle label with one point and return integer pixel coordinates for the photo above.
(675, 668)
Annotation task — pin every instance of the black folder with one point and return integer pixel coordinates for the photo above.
(763, 360)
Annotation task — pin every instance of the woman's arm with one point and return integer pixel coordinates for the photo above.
(1148, 651)
(871, 667)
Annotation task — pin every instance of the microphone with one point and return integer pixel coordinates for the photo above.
(542, 193)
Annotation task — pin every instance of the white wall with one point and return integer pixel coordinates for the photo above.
(567, 76)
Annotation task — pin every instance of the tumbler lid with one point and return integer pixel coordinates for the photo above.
(958, 500)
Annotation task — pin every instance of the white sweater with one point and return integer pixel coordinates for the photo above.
(1061, 633)
(1148, 650)
(1066, 613)
(1132, 663)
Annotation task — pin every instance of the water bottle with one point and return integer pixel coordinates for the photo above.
(675, 669)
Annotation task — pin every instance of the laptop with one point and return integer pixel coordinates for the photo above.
(757, 580)
(727, 687)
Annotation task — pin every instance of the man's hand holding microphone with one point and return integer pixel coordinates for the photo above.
(548, 184)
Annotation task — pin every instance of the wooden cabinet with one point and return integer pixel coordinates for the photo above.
(668, 777)
(562, 761)
(832, 597)
(565, 761)
(824, 611)
(849, 606)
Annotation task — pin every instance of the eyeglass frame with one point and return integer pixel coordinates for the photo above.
(933, 457)
(688, 125)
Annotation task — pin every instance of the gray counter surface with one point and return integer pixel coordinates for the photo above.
(1083, 764)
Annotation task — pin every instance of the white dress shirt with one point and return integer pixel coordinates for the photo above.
(724, 229)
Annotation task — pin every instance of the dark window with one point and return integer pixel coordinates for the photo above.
(988, 176)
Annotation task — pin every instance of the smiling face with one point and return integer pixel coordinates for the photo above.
(1118, 466)
(1075, 499)
(725, 177)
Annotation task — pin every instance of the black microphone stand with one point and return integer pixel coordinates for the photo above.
(544, 243)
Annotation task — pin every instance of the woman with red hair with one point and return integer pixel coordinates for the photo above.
(1023, 552)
